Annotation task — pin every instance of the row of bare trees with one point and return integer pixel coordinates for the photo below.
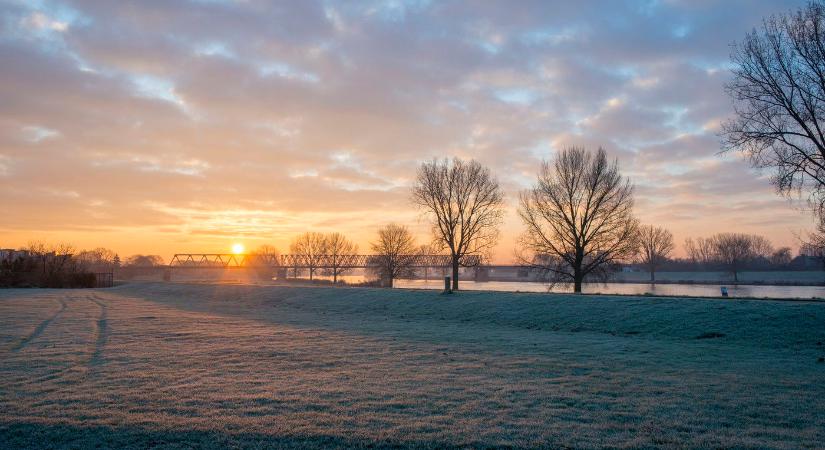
(312, 246)
(392, 248)
(734, 251)
(44, 265)
(578, 217)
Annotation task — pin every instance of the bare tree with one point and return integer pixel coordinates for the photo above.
(656, 244)
(340, 253)
(735, 250)
(393, 250)
(814, 245)
(429, 249)
(310, 247)
(97, 259)
(702, 251)
(55, 260)
(579, 217)
(465, 203)
(778, 90)
(265, 253)
(762, 247)
(781, 257)
(144, 261)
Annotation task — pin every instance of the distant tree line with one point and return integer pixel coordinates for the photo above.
(42, 265)
(393, 247)
(62, 266)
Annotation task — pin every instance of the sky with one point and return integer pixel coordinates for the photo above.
(160, 127)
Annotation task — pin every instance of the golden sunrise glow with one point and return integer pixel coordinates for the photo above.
(237, 248)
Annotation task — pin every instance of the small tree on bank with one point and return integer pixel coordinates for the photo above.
(465, 204)
(579, 217)
(656, 244)
(701, 251)
(393, 250)
(340, 252)
(310, 247)
(735, 250)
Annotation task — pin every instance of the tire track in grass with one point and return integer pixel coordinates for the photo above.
(101, 333)
(77, 371)
(39, 329)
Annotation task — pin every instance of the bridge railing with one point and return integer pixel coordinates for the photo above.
(230, 260)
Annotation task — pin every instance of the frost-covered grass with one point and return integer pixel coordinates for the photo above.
(175, 365)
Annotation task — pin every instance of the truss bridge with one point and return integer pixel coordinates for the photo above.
(237, 261)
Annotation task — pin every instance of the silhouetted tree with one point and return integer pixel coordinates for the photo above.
(428, 249)
(54, 260)
(310, 247)
(144, 261)
(701, 252)
(781, 257)
(340, 253)
(735, 250)
(97, 259)
(814, 245)
(762, 247)
(393, 250)
(579, 217)
(265, 252)
(778, 89)
(58, 266)
(656, 244)
(465, 204)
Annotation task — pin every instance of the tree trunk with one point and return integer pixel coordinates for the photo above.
(652, 276)
(578, 276)
(334, 277)
(455, 273)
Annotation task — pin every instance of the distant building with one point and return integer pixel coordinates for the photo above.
(807, 262)
(8, 254)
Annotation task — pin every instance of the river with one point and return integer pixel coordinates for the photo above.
(691, 290)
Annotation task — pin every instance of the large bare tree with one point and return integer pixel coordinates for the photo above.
(340, 254)
(701, 251)
(778, 90)
(394, 249)
(310, 247)
(465, 204)
(735, 250)
(656, 245)
(579, 217)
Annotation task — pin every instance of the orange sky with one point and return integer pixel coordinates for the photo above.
(163, 127)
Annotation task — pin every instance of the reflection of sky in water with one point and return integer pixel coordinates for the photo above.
(692, 290)
(633, 288)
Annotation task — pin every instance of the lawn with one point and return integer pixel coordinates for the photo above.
(181, 366)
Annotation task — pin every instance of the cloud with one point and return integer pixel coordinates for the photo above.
(185, 124)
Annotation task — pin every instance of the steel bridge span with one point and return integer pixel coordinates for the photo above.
(239, 261)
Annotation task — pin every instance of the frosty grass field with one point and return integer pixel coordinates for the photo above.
(180, 366)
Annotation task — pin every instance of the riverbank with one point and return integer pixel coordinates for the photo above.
(215, 366)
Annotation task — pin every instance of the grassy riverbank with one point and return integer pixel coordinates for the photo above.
(221, 365)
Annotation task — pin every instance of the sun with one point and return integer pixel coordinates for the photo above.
(237, 248)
